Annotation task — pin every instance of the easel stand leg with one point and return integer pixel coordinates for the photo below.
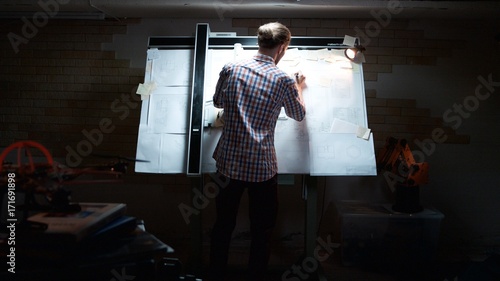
(308, 267)
(195, 261)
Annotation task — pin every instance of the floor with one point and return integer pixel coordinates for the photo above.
(286, 265)
(332, 269)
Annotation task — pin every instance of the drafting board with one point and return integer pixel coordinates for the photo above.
(175, 132)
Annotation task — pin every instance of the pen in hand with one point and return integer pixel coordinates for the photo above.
(299, 78)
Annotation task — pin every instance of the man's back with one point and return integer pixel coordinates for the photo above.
(252, 94)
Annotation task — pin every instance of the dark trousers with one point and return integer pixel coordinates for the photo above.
(263, 209)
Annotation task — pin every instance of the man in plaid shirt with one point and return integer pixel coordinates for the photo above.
(252, 93)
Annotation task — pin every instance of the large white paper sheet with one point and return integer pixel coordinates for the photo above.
(173, 154)
(172, 67)
(148, 148)
(210, 138)
(166, 153)
(168, 110)
(341, 154)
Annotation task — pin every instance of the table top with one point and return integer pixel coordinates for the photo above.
(363, 208)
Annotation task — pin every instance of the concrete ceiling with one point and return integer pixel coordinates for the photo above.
(259, 8)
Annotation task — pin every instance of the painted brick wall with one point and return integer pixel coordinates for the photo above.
(61, 89)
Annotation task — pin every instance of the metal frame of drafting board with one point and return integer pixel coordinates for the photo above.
(195, 134)
(164, 43)
(296, 42)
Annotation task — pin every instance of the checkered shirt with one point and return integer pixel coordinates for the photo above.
(252, 93)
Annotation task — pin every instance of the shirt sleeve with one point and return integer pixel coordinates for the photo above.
(293, 104)
(220, 88)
